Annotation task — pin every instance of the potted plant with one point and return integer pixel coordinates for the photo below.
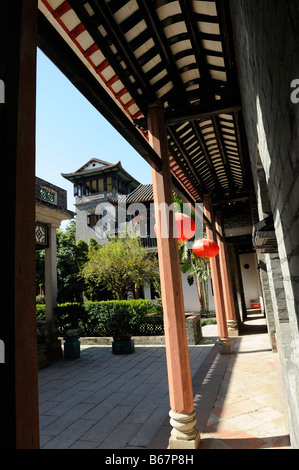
(119, 326)
(68, 318)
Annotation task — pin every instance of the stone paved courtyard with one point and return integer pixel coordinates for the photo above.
(106, 401)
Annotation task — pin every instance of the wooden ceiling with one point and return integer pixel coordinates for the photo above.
(125, 55)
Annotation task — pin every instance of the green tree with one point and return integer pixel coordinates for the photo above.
(120, 265)
(71, 256)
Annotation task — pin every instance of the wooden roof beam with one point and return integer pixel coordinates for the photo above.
(219, 138)
(153, 23)
(205, 152)
(117, 38)
(225, 26)
(201, 187)
(92, 28)
(239, 144)
(186, 7)
(202, 111)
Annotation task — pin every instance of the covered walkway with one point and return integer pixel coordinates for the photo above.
(202, 90)
(103, 401)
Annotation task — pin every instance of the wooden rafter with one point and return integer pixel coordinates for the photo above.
(151, 51)
(239, 140)
(91, 26)
(117, 38)
(225, 162)
(226, 39)
(195, 41)
(157, 33)
(203, 111)
(205, 152)
(200, 185)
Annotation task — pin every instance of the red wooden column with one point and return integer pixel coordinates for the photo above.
(184, 434)
(19, 373)
(224, 342)
(231, 318)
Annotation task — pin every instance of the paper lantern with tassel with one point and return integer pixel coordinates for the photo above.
(205, 248)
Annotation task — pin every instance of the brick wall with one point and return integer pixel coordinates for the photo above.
(267, 49)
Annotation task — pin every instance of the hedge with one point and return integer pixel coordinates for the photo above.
(40, 312)
(93, 317)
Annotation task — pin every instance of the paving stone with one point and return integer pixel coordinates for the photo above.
(60, 424)
(107, 424)
(120, 436)
(70, 435)
(147, 431)
(92, 405)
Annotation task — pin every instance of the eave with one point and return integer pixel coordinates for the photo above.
(123, 56)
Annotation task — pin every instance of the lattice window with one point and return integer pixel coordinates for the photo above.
(47, 195)
(41, 235)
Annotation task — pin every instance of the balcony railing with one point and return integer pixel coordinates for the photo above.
(148, 242)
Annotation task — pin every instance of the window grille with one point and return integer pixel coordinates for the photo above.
(47, 195)
(92, 220)
(41, 235)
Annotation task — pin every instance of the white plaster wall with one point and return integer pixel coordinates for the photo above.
(191, 300)
(250, 278)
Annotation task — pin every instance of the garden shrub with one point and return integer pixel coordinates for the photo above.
(69, 314)
(40, 312)
(105, 317)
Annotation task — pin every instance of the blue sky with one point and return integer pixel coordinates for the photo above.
(70, 131)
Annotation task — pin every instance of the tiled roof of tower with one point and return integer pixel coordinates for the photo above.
(96, 166)
(144, 193)
(94, 162)
(84, 171)
(125, 55)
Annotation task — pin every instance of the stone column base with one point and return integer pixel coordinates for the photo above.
(224, 346)
(184, 435)
(233, 328)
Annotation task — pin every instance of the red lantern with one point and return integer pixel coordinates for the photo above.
(185, 227)
(205, 248)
